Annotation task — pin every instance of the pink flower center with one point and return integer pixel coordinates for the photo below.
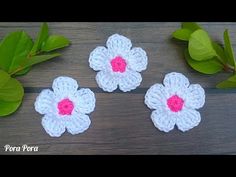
(65, 107)
(118, 64)
(175, 103)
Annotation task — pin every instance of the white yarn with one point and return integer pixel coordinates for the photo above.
(175, 84)
(135, 58)
(83, 100)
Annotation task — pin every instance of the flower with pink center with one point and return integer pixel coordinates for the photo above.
(65, 107)
(119, 64)
(175, 103)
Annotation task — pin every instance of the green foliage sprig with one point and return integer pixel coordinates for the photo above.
(18, 53)
(205, 55)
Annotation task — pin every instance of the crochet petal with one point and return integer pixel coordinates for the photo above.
(53, 126)
(137, 59)
(77, 123)
(64, 86)
(156, 96)
(106, 81)
(45, 101)
(195, 96)
(118, 44)
(99, 58)
(175, 82)
(130, 81)
(85, 101)
(162, 120)
(188, 118)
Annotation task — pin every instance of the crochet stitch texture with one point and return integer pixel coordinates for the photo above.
(175, 103)
(118, 64)
(65, 107)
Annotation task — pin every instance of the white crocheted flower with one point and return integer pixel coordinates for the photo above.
(118, 64)
(175, 103)
(65, 107)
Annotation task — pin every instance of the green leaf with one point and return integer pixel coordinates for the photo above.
(17, 55)
(41, 39)
(192, 26)
(200, 46)
(22, 72)
(232, 78)
(4, 78)
(228, 49)
(211, 66)
(14, 48)
(55, 42)
(40, 58)
(229, 83)
(182, 34)
(220, 52)
(11, 94)
(7, 108)
(11, 89)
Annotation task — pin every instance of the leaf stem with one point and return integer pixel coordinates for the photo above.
(22, 64)
(227, 67)
(17, 70)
